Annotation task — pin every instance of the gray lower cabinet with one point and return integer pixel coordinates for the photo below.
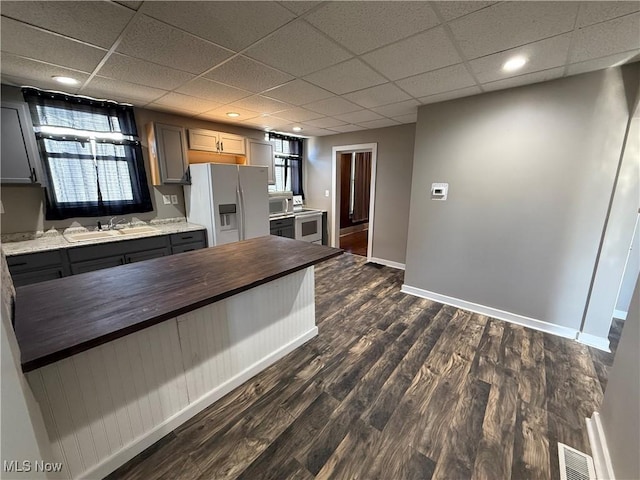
(283, 227)
(38, 267)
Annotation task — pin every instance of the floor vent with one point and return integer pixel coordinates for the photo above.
(575, 465)
(374, 265)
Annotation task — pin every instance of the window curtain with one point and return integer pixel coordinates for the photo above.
(362, 186)
(95, 167)
(290, 150)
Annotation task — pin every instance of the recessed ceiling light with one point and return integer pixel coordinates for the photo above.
(297, 129)
(65, 80)
(513, 64)
(233, 114)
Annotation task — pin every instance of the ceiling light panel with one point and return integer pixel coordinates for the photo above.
(362, 27)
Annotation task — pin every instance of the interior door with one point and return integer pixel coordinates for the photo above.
(255, 201)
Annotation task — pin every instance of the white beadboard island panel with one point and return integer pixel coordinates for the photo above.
(107, 404)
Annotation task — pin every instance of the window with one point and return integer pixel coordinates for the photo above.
(91, 154)
(288, 163)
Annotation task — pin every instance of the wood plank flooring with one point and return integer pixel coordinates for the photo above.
(394, 387)
(355, 243)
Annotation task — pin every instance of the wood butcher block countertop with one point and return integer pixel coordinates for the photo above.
(60, 318)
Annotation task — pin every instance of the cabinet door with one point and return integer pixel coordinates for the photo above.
(19, 151)
(261, 153)
(99, 264)
(187, 247)
(288, 232)
(232, 144)
(168, 154)
(206, 140)
(27, 278)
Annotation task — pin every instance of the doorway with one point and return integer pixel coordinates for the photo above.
(353, 198)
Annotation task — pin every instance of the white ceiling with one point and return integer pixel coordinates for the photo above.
(325, 66)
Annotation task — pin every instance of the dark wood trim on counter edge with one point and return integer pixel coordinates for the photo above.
(60, 318)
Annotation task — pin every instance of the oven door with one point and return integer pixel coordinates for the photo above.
(309, 227)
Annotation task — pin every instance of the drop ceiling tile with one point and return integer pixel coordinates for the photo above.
(364, 26)
(220, 113)
(214, 91)
(332, 106)
(298, 115)
(347, 128)
(157, 42)
(397, 109)
(600, 63)
(443, 97)
(511, 24)
(376, 96)
(410, 118)
(438, 81)
(299, 8)
(134, 70)
(185, 103)
(121, 91)
(314, 132)
(381, 123)
(346, 77)
(264, 122)
(424, 52)
(451, 10)
(38, 74)
(298, 92)
(608, 38)
(20, 39)
(527, 79)
(542, 55)
(242, 72)
(80, 20)
(234, 25)
(359, 117)
(298, 49)
(258, 103)
(596, 12)
(326, 122)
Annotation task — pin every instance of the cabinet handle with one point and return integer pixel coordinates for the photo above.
(218, 145)
(18, 264)
(187, 238)
(222, 146)
(34, 177)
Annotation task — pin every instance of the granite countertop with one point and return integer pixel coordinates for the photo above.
(18, 244)
(57, 319)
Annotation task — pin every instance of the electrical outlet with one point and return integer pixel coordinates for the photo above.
(326, 193)
(166, 199)
(174, 199)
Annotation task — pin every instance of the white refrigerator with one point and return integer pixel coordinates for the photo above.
(231, 201)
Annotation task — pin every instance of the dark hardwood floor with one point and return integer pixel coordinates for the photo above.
(394, 387)
(355, 243)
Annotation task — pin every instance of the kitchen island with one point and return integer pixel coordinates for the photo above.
(120, 357)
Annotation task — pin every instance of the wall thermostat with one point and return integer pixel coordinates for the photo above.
(439, 191)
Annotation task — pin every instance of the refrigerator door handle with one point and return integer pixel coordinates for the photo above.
(241, 213)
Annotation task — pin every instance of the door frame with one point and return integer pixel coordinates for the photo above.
(334, 236)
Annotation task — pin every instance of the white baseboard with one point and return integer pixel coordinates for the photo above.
(141, 443)
(620, 314)
(388, 263)
(599, 448)
(601, 343)
(541, 325)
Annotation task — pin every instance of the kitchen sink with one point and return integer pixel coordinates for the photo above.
(137, 230)
(84, 236)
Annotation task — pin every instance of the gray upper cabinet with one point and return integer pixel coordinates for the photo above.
(260, 152)
(167, 154)
(20, 157)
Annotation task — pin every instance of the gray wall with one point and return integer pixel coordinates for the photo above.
(620, 411)
(24, 205)
(531, 171)
(393, 183)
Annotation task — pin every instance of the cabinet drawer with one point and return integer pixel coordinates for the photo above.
(281, 223)
(188, 237)
(30, 261)
(187, 247)
(92, 265)
(146, 255)
(80, 254)
(27, 278)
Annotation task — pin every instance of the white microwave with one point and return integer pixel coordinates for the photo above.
(280, 203)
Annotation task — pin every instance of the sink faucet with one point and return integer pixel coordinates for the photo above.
(113, 225)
